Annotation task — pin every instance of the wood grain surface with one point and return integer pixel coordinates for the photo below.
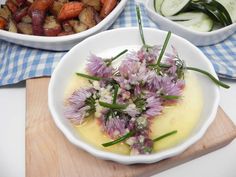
(49, 154)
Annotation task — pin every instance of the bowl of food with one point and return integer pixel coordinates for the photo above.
(201, 22)
(134, 99)
(56, 24)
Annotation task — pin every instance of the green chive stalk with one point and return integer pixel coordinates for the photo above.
(89, 77)
(122, 138)
(118, 55)
(164, 48)
(112, 106)
(216, 81)
(164, 136)
(116, 88)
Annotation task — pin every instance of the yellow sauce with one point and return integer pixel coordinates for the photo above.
(182, 117)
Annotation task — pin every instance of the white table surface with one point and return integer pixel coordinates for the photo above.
(221, 163)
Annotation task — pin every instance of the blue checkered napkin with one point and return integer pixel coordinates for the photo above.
(18, 63)
(223, 57)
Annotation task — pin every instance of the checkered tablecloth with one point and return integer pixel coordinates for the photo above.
(18, 63)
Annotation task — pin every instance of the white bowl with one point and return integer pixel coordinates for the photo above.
(106, 44)
(62, 43)
(197, 38)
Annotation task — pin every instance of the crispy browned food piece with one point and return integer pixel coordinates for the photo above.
(25, 28)
(96, 4)
(97, 17)
(65, 33)
(12, 27)
(3, 23)
(107, 7)
(37, 22)
(51, 26)
(38, 13)
(77, 26)
(70, 10)
(63, 1)
(56, 7)
(5, 12)
(11, 6)
(67, 27)
(87, 17)
(26, 19)
(20, 2)
(41, 5)
(20, 13)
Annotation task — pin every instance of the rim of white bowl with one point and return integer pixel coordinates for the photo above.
(210, 33)
(126, 159)
(56, 39)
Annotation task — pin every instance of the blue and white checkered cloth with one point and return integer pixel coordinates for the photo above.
(18, 63)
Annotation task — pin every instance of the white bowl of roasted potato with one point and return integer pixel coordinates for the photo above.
(56, 24)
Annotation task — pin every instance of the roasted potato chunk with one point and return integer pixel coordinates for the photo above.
(25, 28)
(20, 13)
(108, 6)
(11, 6)
(96, 4)
(12, 27)
(56, 7)
(77, 26)
(87, 17)
(51, 26)
(26, 19)
(67, 27)
(5, 12)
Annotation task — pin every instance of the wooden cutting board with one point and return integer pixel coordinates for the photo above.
(49, 154)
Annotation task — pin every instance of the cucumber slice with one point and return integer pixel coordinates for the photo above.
(172, 7)
(185, 16)
(201, 22)
(230, 6)
(157, 5)
(214, 9)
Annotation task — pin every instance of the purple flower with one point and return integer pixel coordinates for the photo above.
(132, 110)
(169, 87)
(153, 106)
(78, 97)
(132, 73)
(76, 115)
(143, 55)
(153, 81)
(128, 68)
(140, 145)
(115, 127)
(98, 67)
(77, 108)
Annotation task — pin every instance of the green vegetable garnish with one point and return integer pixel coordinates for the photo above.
(116, 88)
(164, 136)
(89, 77)
(112, 106)
(122, 138)
(217, 82)
(164, 47)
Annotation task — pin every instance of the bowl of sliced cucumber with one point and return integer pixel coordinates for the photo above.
(202, 22)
